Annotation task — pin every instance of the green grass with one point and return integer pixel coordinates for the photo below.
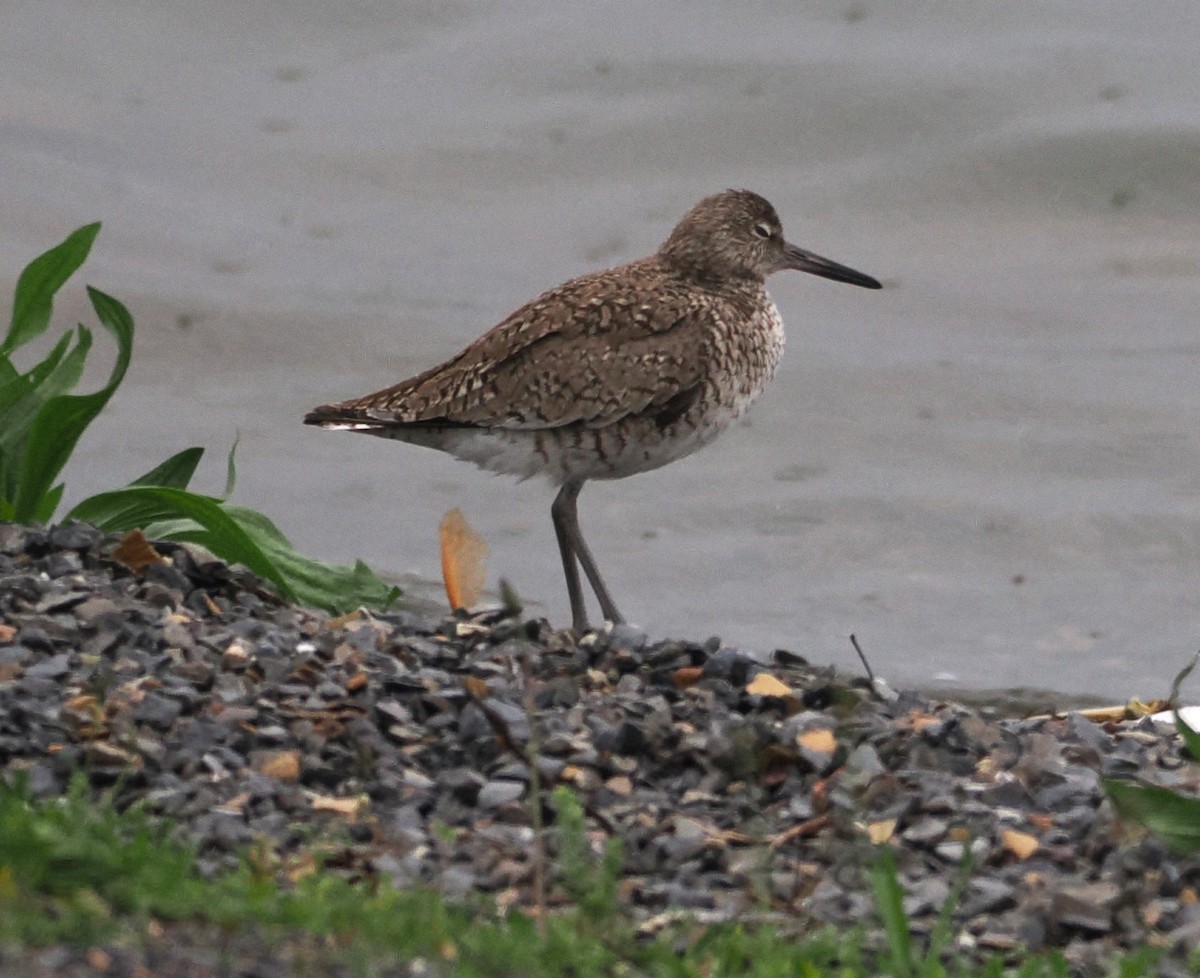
(75, 871)
(42, 420)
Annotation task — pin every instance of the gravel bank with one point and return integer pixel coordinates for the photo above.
(738, 788)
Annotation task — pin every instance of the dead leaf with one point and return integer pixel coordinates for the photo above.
(476, 688)
(819, 739)
(7, 633)
(356, 682)
(333, 624)
(1041, 821)
(463, 551)
(764, 684)
(619, 785)
(301, 865)
(881, 831)
(1020, 844)
(351, 807)
(103, 754)
(135, 552)
(284, 765)
(686, 676)
(921, 721)
(234, 805)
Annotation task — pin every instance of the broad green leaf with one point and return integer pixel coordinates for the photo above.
(317, 585)
(177, 471)
(49, 504)
(14, 385)
(141, 506)
(42, 278)
(237, 535)
(22, 397)
(1173, 816)
(63, 419)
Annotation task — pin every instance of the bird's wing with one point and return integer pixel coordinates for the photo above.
(589, 352)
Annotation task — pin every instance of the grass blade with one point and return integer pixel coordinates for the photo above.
(231, 469)
(42, 278)
(1191, 739)
(889, 901)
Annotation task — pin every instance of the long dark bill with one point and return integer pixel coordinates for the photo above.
(806, 261)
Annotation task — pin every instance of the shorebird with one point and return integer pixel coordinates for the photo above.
(612, 373)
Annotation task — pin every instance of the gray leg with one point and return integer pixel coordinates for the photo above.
(562, 511)
(573, 548)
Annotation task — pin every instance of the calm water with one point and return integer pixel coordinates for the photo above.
(989, 471)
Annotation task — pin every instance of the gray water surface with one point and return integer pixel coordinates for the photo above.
(990, 471)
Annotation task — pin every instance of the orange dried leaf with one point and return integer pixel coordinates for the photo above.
(135, 552)
(342, 806)
(764, 684)
(463, 551)
(235, 805)
(284, 765)
(620, 785)
(302, 865)
(1020, 844)
(335, 623)
(356, 682)
(476, 688)
(881, 831)
(98, 959)
(686, 676)
(7, 633)
(820, 740)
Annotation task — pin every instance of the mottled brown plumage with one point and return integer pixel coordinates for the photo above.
(612, 373)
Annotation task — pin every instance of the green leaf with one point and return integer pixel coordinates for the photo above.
(1173, 816)
(42, 278)
(22, 397)
(237, 535)
(335, 587)
(176, 472)
(141, 506)
(62, 420)
(49, 504)
(231, 468)
(1191, 739)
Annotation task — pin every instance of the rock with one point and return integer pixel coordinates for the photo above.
(403, 740)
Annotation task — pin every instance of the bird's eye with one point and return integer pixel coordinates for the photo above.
(762, 229)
